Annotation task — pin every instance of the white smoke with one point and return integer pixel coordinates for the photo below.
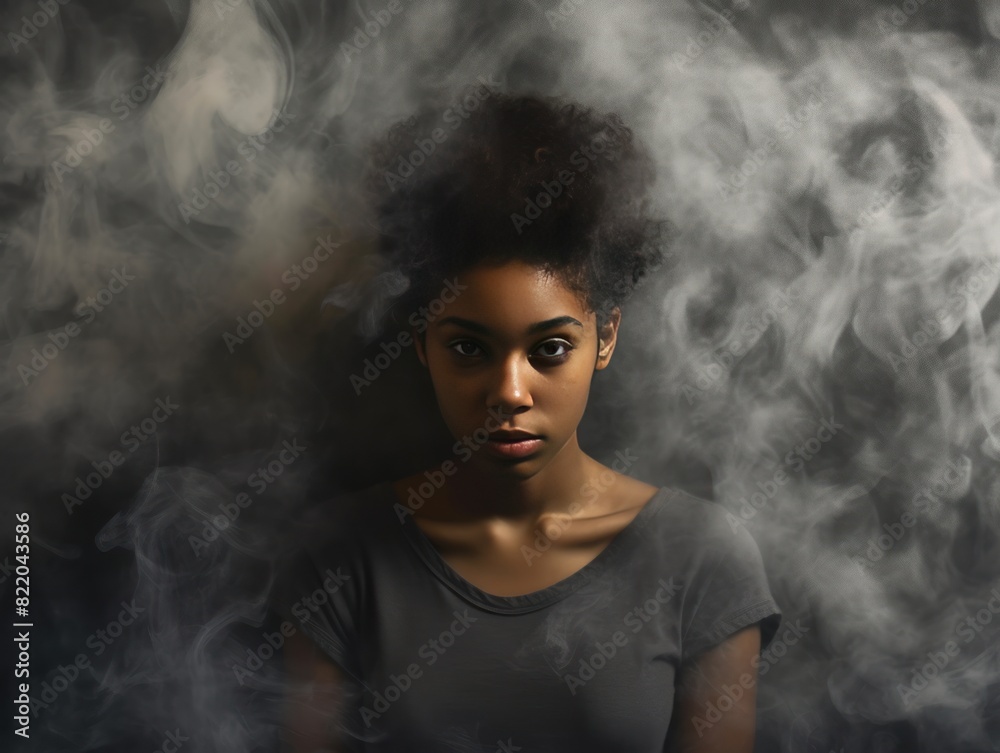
(831, 174)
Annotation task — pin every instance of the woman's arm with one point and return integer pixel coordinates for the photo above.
(313, 701)
(724, 677)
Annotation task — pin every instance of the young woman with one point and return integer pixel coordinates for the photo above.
(521, 595)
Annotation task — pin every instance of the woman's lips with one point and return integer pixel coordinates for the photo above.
(515, 449)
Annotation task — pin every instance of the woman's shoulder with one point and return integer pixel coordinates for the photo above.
(692, 517)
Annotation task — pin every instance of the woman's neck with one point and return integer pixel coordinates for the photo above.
(474, 493)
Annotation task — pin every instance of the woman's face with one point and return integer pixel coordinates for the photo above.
(516, 345)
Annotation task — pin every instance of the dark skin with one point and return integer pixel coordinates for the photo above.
(482, 353)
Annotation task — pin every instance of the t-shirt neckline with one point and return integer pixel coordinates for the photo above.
(529, 602)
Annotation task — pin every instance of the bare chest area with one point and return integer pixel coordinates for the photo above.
(512, 560)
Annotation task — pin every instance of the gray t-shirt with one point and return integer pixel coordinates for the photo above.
(588, 664)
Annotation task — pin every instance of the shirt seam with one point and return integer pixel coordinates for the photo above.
(726, 626)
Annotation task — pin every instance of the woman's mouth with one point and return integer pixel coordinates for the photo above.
(514, 447)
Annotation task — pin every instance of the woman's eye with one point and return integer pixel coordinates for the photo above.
(464, 343)
(567, 347)
(552, 349)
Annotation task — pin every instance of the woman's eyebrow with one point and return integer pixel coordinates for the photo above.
(558, 321)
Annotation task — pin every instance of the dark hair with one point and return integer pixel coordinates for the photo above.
(497, 177)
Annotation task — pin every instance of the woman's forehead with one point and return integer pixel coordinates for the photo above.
(516, 286)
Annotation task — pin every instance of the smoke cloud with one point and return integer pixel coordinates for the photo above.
(188, 284)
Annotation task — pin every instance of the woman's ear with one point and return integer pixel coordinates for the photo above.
(607, 337)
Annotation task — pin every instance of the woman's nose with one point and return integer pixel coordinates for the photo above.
(510, 387)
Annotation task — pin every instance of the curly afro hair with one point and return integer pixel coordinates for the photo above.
(497, 177)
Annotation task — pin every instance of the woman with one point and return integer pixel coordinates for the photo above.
(520, 595)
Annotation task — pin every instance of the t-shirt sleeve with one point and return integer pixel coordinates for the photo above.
(731, 590)
(316, 589)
